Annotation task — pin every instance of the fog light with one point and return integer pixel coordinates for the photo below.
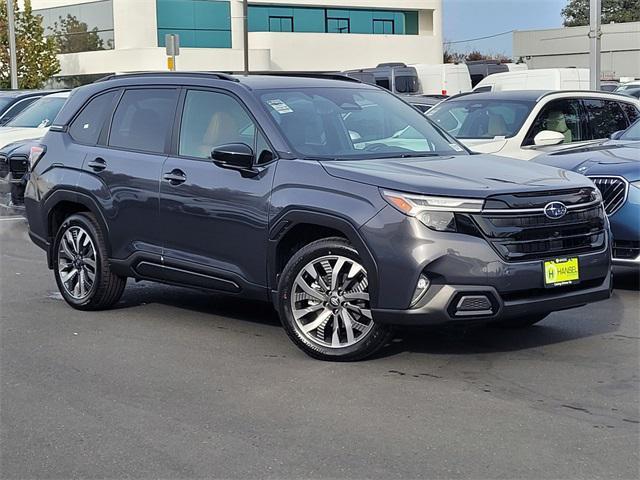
(421, 288)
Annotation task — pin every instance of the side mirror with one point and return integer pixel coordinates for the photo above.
(233, 155)
(547, 138)
(616, 135)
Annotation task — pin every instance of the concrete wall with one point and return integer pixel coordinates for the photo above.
(569, 47)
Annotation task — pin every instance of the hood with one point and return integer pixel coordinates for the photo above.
(608, 158)
(10, 135)
(492, 145)
(474, 176)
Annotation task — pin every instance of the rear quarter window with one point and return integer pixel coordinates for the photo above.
(88, 124)
(632, 111)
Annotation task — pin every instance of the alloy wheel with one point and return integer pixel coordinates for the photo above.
(330, 302)
(77, 262)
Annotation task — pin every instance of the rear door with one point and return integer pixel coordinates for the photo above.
(126, 166)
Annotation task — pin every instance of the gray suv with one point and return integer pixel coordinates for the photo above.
(334, 200)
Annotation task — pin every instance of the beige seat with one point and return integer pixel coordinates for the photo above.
(557, 122)
(497, 126)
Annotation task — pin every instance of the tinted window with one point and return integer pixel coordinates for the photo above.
(39, 114)
(406, 84)
(632, 112)
(605, 117)
(212, 119)
(87, 126)
(354, 123)
(143, 119)
(563, 116)
(468, 118)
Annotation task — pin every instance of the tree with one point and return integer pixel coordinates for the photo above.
(72, 36)
(36, 54)
(457, 57)
(576, 13)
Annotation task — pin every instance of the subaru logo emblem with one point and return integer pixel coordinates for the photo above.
(555, 210)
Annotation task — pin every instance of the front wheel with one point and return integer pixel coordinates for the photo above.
(81, 265)
(324, 303)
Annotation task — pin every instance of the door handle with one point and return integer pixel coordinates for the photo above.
(98, 164)
(175, 177)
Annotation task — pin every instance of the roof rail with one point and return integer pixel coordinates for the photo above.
(328, 75)
(217, 75)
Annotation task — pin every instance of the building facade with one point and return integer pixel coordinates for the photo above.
(104, 36)
(569, 47)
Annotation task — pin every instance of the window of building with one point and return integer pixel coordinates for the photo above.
(338, 25)
(87, 126)
(384, 27)
(211, 119)
(281, 24)
(83, 27)
(143, 119)
(199, 23)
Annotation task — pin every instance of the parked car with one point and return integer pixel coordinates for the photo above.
(422, 102)
(631, 92)
(628, 85)
(480, 69)
(334, 199)
(395, 77)
(542, 79)
(609, 86)
(525, 124)
(614, 167)
(443, 79)
(33, 121)
(14, 165)
(12, 102)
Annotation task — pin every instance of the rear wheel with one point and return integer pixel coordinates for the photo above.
(520, 322)
(325, 305)
(81, 265)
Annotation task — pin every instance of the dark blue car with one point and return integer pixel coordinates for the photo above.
(614, 166)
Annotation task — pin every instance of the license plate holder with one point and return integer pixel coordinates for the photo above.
(559, 272)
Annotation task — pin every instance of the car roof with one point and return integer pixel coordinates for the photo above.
(25, 93)
(534, 95)
(261, 82)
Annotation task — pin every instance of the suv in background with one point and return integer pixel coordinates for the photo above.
(333, 199)
(526, 123)
(12, 102)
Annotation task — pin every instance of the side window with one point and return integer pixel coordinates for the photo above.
(632, 112)
(561, 116)
(87, 126)
(605, 117)
(211, 119)
(143, 119)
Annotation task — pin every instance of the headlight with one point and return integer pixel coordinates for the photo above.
(437, 213)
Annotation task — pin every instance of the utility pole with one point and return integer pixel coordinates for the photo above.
(245, 33)
(13, 61)
(595, 37)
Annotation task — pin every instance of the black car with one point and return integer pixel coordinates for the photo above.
(14, 165)
(12, 102)
(336, 201)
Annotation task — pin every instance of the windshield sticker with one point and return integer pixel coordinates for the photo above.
(279, 106)
(456, 147)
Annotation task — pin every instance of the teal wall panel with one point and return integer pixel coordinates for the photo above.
(200, 23)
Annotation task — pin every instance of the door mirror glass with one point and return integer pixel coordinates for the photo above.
(548, 137)
(233, 155)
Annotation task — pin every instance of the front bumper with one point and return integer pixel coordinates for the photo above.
(464, 265)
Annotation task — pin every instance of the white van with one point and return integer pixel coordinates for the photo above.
(517, 67)
(444, 78)
(543, 79)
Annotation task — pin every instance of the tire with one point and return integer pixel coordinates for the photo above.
(80, 236)
(520, 322)
(337, 325)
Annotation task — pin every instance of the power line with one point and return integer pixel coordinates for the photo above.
(480, 38)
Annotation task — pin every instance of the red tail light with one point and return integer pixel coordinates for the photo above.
(444, 92)
(36, 153)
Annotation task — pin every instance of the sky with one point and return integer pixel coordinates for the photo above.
(468, 19)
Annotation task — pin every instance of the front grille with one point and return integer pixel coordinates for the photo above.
(18, 165)
(614, 192)
(626, 250)
(531, 236)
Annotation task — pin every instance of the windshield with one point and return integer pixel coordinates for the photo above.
(40, 114)
(632, 133)
(486, 119)
(354, 123)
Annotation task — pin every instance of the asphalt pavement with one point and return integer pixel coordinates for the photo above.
(175, 383)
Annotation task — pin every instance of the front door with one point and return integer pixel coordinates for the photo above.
(215, 220)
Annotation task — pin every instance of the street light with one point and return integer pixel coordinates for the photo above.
(245, 33)
(13, 62)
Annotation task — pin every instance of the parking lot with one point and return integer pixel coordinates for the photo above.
(182, 384)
